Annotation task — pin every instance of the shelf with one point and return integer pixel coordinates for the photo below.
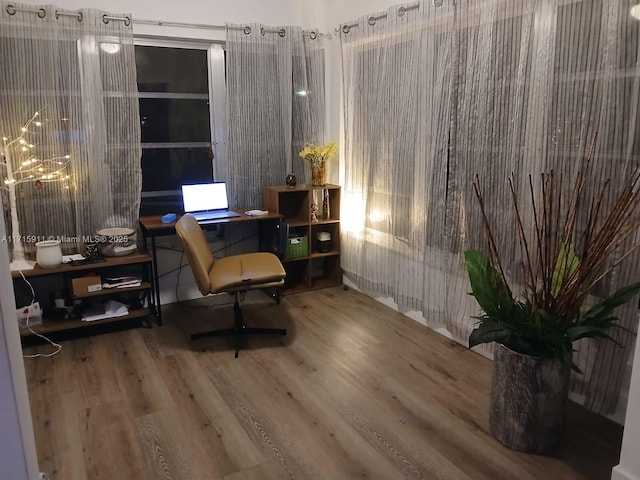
(315, 270)
(300, 287)
(114, 291)
(302, 188)
(323, 283)
(138, 257)
(326, 222)
(50, 326)
(295, 222)
(332, 253)
(297, 259)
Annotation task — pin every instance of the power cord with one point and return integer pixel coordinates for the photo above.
(57, 346)
(178, 274)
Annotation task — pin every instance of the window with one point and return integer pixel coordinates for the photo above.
(178, 108)
(389, 149)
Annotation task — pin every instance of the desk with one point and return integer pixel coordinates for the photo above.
(153, 227)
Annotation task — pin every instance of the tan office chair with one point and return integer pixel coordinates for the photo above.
(234, 274)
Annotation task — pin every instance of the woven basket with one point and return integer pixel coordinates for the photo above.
(297, 247)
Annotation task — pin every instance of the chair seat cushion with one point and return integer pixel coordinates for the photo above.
(251, 270)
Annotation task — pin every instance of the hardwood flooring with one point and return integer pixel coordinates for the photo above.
(355, 390)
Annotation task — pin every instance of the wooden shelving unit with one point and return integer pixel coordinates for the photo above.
(314, 269)
(45, 280)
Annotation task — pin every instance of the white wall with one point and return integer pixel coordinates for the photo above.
(17, 445)
(629, 467)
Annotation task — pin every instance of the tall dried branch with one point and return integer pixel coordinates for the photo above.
(561, 224)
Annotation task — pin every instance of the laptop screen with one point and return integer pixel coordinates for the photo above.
(205, 196)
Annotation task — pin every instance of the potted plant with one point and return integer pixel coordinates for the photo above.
(571, 246)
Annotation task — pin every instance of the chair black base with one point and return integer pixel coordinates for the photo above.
(239, 329)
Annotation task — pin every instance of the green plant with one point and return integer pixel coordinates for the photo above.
(571, 247)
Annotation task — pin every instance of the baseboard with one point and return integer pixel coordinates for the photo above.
(619, 473)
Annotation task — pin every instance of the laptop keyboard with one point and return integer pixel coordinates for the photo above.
(214, 215)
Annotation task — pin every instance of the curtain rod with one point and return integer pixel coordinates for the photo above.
(42, 12)
(312, 34)
(346, 28)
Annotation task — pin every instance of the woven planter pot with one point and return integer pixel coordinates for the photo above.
(528, 401)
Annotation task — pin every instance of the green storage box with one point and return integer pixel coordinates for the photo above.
(297, 247)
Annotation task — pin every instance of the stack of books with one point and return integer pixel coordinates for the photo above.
(121, 282)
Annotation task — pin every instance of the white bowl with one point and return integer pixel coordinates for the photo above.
(116, 241)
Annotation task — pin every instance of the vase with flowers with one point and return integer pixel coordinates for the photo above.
(317, 156)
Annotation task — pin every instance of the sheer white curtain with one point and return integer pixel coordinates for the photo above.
(499, 87)
(78, 69)
(275, 102)
(397, 93)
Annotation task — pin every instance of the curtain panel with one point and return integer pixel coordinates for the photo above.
(437, 95)
(77, 69)
(275, 104)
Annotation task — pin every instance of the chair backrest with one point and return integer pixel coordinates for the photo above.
(197, 250)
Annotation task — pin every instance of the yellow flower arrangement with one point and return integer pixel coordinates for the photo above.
(316, 153)
(317, 156)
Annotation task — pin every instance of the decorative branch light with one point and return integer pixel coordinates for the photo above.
(21, 164)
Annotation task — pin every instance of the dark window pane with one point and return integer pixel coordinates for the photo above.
(159, 205)
(173, 70)
(171, 120)
(169, 168)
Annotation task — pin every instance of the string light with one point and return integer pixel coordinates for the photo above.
(28, 165)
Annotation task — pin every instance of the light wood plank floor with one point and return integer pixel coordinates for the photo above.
(355, 390)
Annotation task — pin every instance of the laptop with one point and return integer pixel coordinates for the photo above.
(207, 201)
